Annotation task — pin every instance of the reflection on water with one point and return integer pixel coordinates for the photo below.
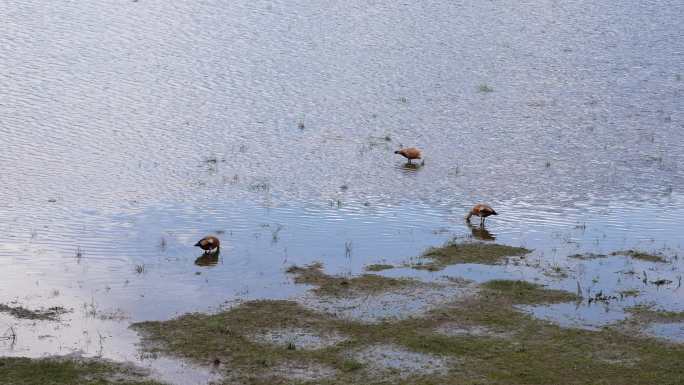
(411, 167)
(208, 259)
(480, 232)
(130, 129)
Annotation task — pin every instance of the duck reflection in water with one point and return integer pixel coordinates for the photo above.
(208, 259)
(480, 232)
(411, 167)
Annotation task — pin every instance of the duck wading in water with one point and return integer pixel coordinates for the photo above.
(481, 210)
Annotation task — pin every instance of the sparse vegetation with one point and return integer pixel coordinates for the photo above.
(260, 187)
(587, 256)
(139, 268)
(485, 88)
(649, 313)
(630, 293)
(348, 247)
(275, 232)
(50, 314)
(642, 255)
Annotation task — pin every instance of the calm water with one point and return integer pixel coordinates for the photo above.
(130, 129)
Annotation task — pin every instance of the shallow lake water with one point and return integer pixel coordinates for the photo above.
(128, 130)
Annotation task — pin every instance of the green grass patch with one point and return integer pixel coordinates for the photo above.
(379, 267)
(452, 253)
(523, 292)
(630, 293)
(339, 286)
(63, 371)
(351, 365)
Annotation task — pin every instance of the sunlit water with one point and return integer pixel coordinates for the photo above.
(130, 129)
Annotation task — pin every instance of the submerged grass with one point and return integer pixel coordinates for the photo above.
(642, 255)
(50, 314)
(587, 256)
(379, 267)
(68, 371)
(471, 252)
(630, 293)
(647, 313)
(485, 88)
(338, 286)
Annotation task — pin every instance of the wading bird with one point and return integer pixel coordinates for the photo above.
(409, 153)
(209, 244)
(481, 210)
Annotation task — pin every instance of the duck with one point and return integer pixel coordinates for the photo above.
(209, 244)
(481, 210)
(409, 153)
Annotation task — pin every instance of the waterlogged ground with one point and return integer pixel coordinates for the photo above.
(128, 130)
(479, 336)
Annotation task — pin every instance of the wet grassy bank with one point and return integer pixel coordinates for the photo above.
(480, 336)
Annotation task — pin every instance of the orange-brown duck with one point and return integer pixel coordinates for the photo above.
(409, 153)
(481, 210)
(209, 244)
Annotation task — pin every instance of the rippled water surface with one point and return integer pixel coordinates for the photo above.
(130, 129)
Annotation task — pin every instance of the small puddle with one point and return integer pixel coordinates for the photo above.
(669, 331)
(578, 316)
